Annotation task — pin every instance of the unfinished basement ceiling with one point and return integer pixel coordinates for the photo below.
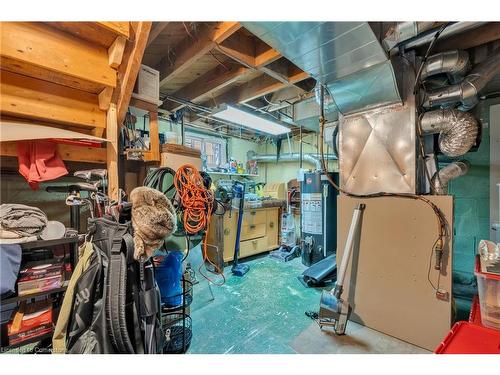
(212, 63)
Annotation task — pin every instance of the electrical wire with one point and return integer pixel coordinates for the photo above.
(197, 203)
(442, 224)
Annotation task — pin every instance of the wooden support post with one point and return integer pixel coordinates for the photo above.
(115, 52)
(105, 98)
(154, 137)
(112, 152)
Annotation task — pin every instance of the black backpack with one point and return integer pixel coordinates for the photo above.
(116, 304)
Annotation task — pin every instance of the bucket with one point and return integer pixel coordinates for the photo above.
(168, 275)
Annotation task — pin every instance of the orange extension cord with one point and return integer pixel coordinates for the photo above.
(197, 203)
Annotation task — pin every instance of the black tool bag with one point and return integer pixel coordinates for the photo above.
(116, 306)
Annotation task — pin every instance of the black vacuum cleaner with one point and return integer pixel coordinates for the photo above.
(239, 192)
(320, 273)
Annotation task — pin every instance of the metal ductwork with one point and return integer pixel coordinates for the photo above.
(451, 30)
(466, 92)
(457, 130)
(293, 157)
(346, 57)
(454, 63)
(406, 30)
(442, 177)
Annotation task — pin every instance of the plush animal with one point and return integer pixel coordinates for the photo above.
(153, 219)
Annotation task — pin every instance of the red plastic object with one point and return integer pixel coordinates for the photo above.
(469, 338)
(475, 312)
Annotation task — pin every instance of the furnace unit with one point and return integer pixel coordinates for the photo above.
(319, 217)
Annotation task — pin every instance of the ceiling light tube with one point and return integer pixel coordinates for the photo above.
(250, 120)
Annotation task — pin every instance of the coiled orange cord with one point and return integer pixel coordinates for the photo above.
(197, 204)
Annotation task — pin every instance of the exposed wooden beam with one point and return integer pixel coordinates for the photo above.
(153, 135)
(115, 52)
(257, 87)
(40, 51)
(155, 31)
(66, 152)
(105, 98)
(128, 70)
(240, 48)
(119, 28)
(189, 50)
(28, 97)
(266, 57)
(112, 148)
(101, 33)
(207, 84)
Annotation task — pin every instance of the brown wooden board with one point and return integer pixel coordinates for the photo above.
(27, 97)
(386, 282)
(43, 52)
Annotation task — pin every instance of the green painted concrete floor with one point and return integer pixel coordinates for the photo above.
(263, 313)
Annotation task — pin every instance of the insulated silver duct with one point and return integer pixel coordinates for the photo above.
(457, 130)
(442, 177)
(454, 29)
(454, 63)
(308, 158)
(466, 91)
(406, 30)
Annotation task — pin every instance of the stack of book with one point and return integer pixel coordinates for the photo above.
(42, 278)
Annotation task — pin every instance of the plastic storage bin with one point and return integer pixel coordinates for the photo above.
(475, 313)
(489, 297)
(468, 338)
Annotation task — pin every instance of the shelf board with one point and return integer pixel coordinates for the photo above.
(234, 174)
(16, 299)
(48, 243)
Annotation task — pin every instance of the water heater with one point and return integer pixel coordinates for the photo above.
(319, 217)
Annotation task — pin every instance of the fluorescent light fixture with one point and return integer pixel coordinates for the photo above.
(249, 120)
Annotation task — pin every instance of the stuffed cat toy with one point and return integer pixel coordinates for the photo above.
(153, 219)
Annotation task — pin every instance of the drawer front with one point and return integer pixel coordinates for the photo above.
(254, 217)
(251, 247)
(251, 231)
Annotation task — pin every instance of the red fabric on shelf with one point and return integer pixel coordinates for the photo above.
(39, 161)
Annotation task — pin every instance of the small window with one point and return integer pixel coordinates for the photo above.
(212, 149)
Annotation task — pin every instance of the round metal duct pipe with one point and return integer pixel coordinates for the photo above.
(457, 130)
(454, 63)
(466, 91)
(442, 177)
(308, 158)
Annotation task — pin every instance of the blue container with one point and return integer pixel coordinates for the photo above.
(168, 275)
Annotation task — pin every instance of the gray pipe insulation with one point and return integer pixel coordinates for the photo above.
(442, 177)
(457, 130)
(308, 158)
(466, 92)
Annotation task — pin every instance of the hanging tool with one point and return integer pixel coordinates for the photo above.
(239, 192)
(334, 311)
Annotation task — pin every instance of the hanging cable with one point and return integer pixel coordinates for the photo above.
(197, 203)
(442, 224)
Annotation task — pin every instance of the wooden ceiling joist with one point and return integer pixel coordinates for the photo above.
(40, 51)
(191, 49)
(207, 84)
(155, 31)
(257, 87)
(248, 51)
(101, 33)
